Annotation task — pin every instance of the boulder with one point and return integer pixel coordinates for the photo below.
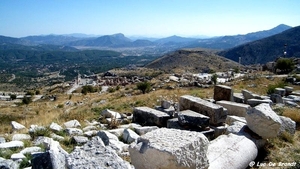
(215, 112)
(12, 144)
(233, 108)
(263, 121)
(110, 114)
(150, 117)
(218, 130)
(170, 111)
(8, 164)
(56, 152)
(79, 140)
(294, 98)
(249, 95)
(90, 133)
(94, 154)
(56, 137)
(238, 97)
(231, 119)
(276, 98)
(288, 90)
(129, 136)
(111, 140)
(55, 127)
(280, 91)
(169, 148)
(72, 124)
(20, 137)
(17, 156)
(174, 124)
(34, 128)
(73, 131)
(29, 150)
(166, 104)
(231, 151)
(287, 125)
(89, 128)
(192, 119)
(145, 129)
(222, 92)
(255, 102)
(41, 160)
(118, 132)
(17, 126)
(2, 140)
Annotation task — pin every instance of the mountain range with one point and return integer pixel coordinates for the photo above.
(267, 49)
(121, 41)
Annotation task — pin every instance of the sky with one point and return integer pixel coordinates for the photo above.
(150, 18)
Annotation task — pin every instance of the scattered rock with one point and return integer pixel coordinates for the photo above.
(29, 150)
(255, 102)
(264, 121)
(79, 140)
(287, 125)
(110, 114)
(17, 156)
(145, 129)
(73, 131)
(57, 137)
(72, 124)
(280, 91)
(230, 119)
(55, 127)
(12, 144)
(17, 126)
(276, 98)
(129, 136)
(8, 164)
(170, 148)
(20, 137)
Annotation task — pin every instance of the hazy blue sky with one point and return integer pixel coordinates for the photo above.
(145, 17)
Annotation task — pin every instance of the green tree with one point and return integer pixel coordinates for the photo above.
(144, 86)
(13, 96)
(26, 100)
(285, 65)
(214, 78)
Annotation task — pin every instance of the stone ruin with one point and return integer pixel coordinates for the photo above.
(194, 133)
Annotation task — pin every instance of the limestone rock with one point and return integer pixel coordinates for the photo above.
(74, 131)
(118, 132)
(8, 164)
(79, 139)
(29, 150)
(17, 156)
(110, 114)
(2, 140)
(33, 128)
(222, 92)
(287, 125)
(230, 119)
(276, 98)
(280, 91)
(170, 148)
(149, 116)
(56, 152)
(255, 102)
(112, 141)
(55, 127)
(166, 104)
(88, 128)
(249, 95)
(72, 124)
(215, 112)
(17, 126)
(264, 121)
(12, 144)
(236, 109)
(94, 154)
(231, 151)
(57, 137)
(129, 136)
(145, 129)
(90, 133)
(238, 97)
(20, 137)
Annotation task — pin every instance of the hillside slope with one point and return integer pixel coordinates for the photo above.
(192, 60)
(267, 49)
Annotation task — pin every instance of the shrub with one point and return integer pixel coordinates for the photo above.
(286, 65)
(214, 78)
(271, 88)
(13, 96)
(144, 86)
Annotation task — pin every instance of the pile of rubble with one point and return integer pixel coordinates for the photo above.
(194, 133)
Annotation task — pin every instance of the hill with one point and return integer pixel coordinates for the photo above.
(225, 42)
(267, 49)
(192, 60)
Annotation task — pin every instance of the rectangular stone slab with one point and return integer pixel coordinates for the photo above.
(215, 112)
(150, 117)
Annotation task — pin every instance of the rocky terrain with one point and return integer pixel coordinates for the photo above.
(227, 131)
